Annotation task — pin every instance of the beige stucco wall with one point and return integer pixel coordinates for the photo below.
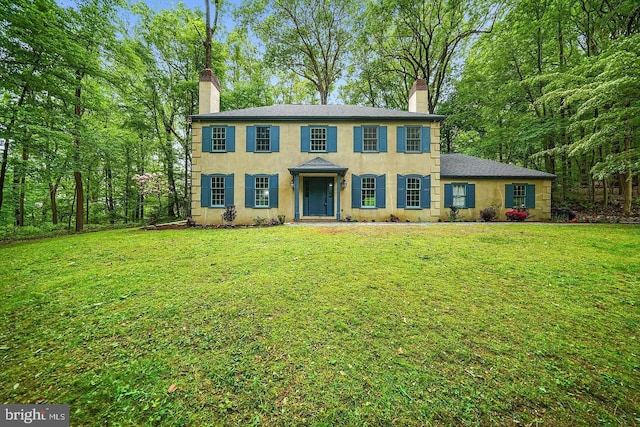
(240, 163)
(492, 192)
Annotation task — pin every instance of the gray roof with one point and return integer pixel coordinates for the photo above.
(455, 165)
(316, 113)
(318, 165)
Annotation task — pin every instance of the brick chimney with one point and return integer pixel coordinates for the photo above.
(208, 93)
(419, 97)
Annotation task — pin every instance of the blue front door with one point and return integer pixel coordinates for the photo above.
(318, 196)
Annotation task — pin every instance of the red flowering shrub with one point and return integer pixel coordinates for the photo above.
(516, 215)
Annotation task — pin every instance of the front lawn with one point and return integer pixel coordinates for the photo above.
(350, 325)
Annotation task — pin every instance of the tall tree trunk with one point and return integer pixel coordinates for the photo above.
(53, 190)
(628, 181)
(109, 199)
(77, 175)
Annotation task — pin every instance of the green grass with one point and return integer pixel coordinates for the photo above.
(323, 326)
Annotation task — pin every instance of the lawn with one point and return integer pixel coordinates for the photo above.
(514, 324)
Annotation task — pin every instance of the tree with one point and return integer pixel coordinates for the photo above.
(311, 38)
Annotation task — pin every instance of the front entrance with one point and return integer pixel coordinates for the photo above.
(318, 196)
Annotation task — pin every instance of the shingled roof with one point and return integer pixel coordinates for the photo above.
(453, 165)
(318, 165)
(316, 113)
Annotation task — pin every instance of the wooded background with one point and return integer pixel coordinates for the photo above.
(95, 94)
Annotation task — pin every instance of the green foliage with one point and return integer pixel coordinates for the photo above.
(523, 334)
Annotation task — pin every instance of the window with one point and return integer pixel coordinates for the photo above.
(318, 139)
(218, 138)
(216, 190)
(370, 139)
(263, 138)
(460, 194)
(262, 192)
(413, 139)
(413, 192)
(517, 195)
(368, 193)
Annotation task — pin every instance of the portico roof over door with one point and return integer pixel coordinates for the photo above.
(317, 166)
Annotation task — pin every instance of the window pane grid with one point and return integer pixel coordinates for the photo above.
(413, 139)
(318, 139)
(218, 139)
(262, 191)
(369, 192)
(413, 192)
(370, 140)
(263, 134)
(459, 195)
(217, 191)
(519, 195)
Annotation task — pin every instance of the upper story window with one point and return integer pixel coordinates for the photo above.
(413, 139)
(370, 138)
(318, 139)
(263, 139)
(218, 139)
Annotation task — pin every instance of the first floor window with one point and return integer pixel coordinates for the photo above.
(519, 195)
(413, 192)
(459, 195)
(217, 191)
(368, 193)
(218, 138)
(263, 137)
(413, 139)
(318, 139)
(262, 192)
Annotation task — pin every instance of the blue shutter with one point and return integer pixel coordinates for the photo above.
(382, 139)
(275, 138)
(425, 192)
(401, 139)
(230, 140)
(402, 191)
(207, 146)
(530, 196)
(251, 139)
(305, 139)
(228, 190)
(508, 196)
(425, 139)
(357, 139)
(470, 201)
(356, 188)
(332, 139)
(205, 190)
(249, 184)
(380, 191)
(448, 195)
(273, 191)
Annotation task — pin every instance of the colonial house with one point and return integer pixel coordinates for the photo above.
(335, 162)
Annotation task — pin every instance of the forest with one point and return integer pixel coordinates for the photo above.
(95, 95)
